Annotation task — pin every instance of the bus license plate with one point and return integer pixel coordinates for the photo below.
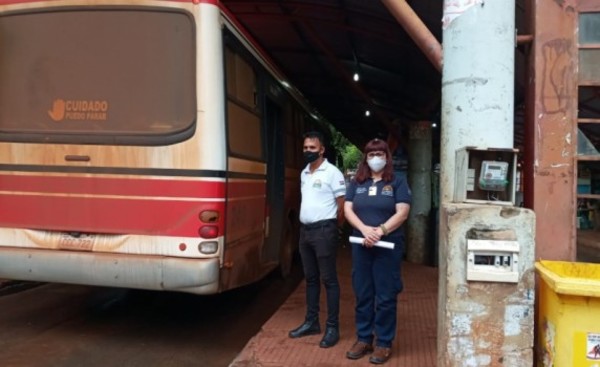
(84, 242)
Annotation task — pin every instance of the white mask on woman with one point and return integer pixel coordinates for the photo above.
(376, 164)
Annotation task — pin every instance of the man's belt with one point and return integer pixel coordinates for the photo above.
(319, 224)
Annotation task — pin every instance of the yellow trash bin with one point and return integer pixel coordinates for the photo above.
(569, 314)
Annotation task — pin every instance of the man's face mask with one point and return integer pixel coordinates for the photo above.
(310, 157)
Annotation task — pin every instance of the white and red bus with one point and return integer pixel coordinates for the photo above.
(143, 144)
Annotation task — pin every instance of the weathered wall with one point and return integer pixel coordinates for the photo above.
(485, 323)
(551, 128)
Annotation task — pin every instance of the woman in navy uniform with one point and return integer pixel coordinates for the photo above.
(377, 204)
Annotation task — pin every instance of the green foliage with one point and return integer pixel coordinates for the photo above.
(347, 154)
(351, 156)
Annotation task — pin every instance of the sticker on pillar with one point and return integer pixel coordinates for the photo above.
(586, 351)
(454, 9)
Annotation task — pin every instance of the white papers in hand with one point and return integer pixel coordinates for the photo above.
(384, 244)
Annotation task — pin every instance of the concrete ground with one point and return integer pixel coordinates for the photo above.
(415, 343)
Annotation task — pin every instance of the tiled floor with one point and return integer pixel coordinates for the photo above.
(415, 343)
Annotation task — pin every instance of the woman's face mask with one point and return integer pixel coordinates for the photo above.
(376, 164)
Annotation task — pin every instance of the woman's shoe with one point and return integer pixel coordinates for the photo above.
(380, 355)
(358, 350)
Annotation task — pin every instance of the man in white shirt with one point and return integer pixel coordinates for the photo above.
(323, 188)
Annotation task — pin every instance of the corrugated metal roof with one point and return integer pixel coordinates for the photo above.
(320, 44)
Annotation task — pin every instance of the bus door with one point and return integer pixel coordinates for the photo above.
(275, 180)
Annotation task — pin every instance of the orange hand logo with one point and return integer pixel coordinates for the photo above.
(57, 113)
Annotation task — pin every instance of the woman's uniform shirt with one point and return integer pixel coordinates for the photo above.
(375, 202)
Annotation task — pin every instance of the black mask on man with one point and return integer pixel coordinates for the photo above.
(310, 157)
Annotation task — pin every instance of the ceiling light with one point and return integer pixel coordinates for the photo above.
(356, 75)
(434, 125)
(367, 113)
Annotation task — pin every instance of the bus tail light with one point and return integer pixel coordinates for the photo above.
(208, 231)
(209, 216)
(208, 248)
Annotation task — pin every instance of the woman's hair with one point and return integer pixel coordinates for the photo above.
(363, 172)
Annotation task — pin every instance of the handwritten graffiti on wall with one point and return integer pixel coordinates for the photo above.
(558, 78)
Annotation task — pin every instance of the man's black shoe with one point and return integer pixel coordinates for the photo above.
(307, 328)
(331, 337)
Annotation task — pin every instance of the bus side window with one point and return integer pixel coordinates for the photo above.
(243, 115)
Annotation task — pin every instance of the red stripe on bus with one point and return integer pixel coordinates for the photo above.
(107, 215)
(236, 189)
(135, 187)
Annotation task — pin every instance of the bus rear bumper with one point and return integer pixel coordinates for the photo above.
(199, 276)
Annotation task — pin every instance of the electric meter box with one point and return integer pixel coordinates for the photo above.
(486, 175)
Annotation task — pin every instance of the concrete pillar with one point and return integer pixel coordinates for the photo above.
(418, 248)
(481, 322)
(551, 128)
(477, 82)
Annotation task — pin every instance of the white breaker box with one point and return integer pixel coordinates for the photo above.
(493, 261)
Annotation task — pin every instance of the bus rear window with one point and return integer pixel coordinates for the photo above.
(97, 76)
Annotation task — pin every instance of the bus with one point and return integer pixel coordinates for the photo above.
(144, 144)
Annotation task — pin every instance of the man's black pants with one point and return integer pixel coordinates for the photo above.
(318, 250)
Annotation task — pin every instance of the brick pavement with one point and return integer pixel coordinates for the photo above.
(415, 343)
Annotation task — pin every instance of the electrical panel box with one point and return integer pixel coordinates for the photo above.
(493, 261)
(486, 175)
